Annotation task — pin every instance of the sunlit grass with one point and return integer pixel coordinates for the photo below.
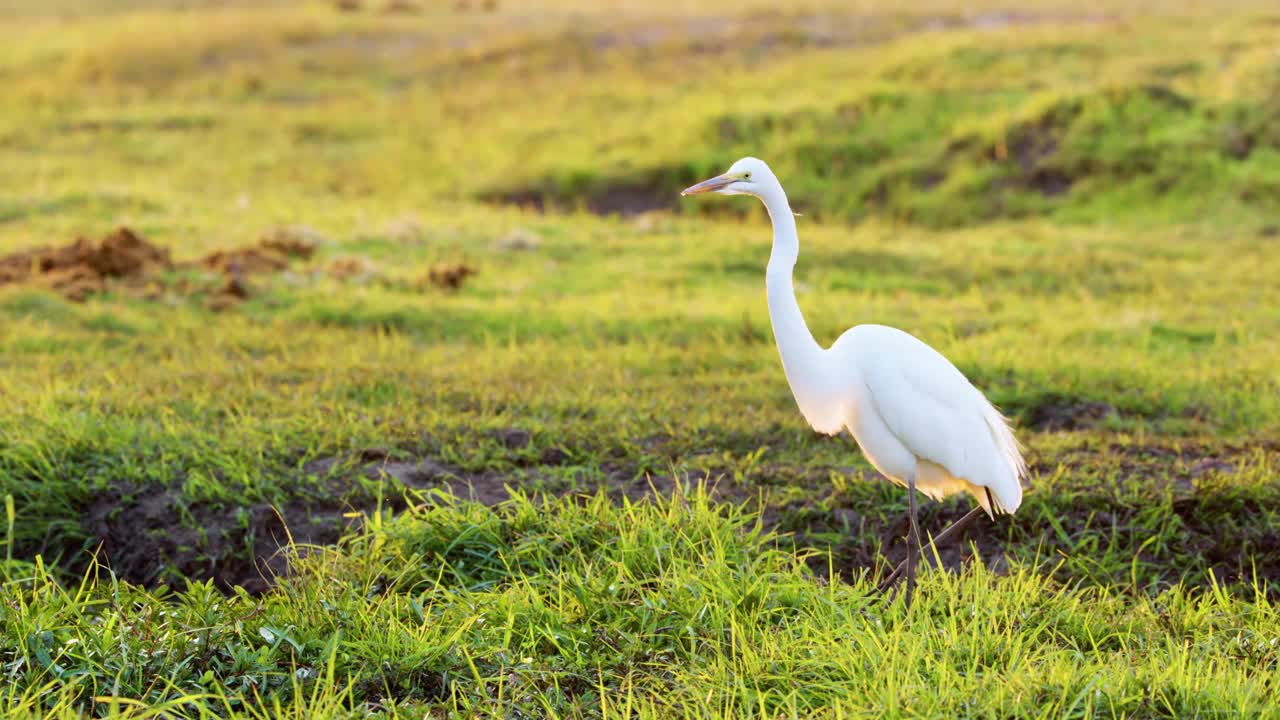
(1077, 208)
(590, 609)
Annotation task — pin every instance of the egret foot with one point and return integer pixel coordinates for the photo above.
(942, 537)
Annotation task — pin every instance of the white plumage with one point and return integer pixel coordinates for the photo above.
(915, 416)
(913, 410)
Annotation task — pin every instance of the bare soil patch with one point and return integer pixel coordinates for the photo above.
(1057, 413)
(859, 534)
(126, 261)
(203, 542)
(272, 253)
(148, 536)
(83, 267)
(448, 276)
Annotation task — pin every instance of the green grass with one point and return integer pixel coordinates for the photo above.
(680, 608)
(1079, 210)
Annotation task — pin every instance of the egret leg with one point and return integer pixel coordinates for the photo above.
(941, 537)
(913, 538)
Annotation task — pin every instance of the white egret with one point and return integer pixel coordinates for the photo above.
(917, 419)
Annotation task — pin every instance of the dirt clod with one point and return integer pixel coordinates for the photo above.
(297, 243)
(271, 254)
(123, 253)
(449, 276)
(126, 260)
(354, 269)
(232, 292)
(83, 267)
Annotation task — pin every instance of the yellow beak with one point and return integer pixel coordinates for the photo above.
(714, 183)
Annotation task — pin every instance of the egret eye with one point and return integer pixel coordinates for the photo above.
(746, 176)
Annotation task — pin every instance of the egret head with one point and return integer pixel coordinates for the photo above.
(748, 176)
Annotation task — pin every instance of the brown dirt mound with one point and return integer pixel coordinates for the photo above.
(82, 268)
(85, 267)
(273, 253)
(448, 276)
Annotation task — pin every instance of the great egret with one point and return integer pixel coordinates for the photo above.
(919, 421)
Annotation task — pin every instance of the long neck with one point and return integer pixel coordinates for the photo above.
(800, 352)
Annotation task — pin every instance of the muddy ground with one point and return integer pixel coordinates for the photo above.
(245, 546)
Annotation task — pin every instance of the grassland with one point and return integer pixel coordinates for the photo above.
(577, 486)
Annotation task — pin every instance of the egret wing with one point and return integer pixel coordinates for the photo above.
(941, 417)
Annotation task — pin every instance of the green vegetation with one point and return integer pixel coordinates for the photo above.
(673, 609)
(577, 485)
